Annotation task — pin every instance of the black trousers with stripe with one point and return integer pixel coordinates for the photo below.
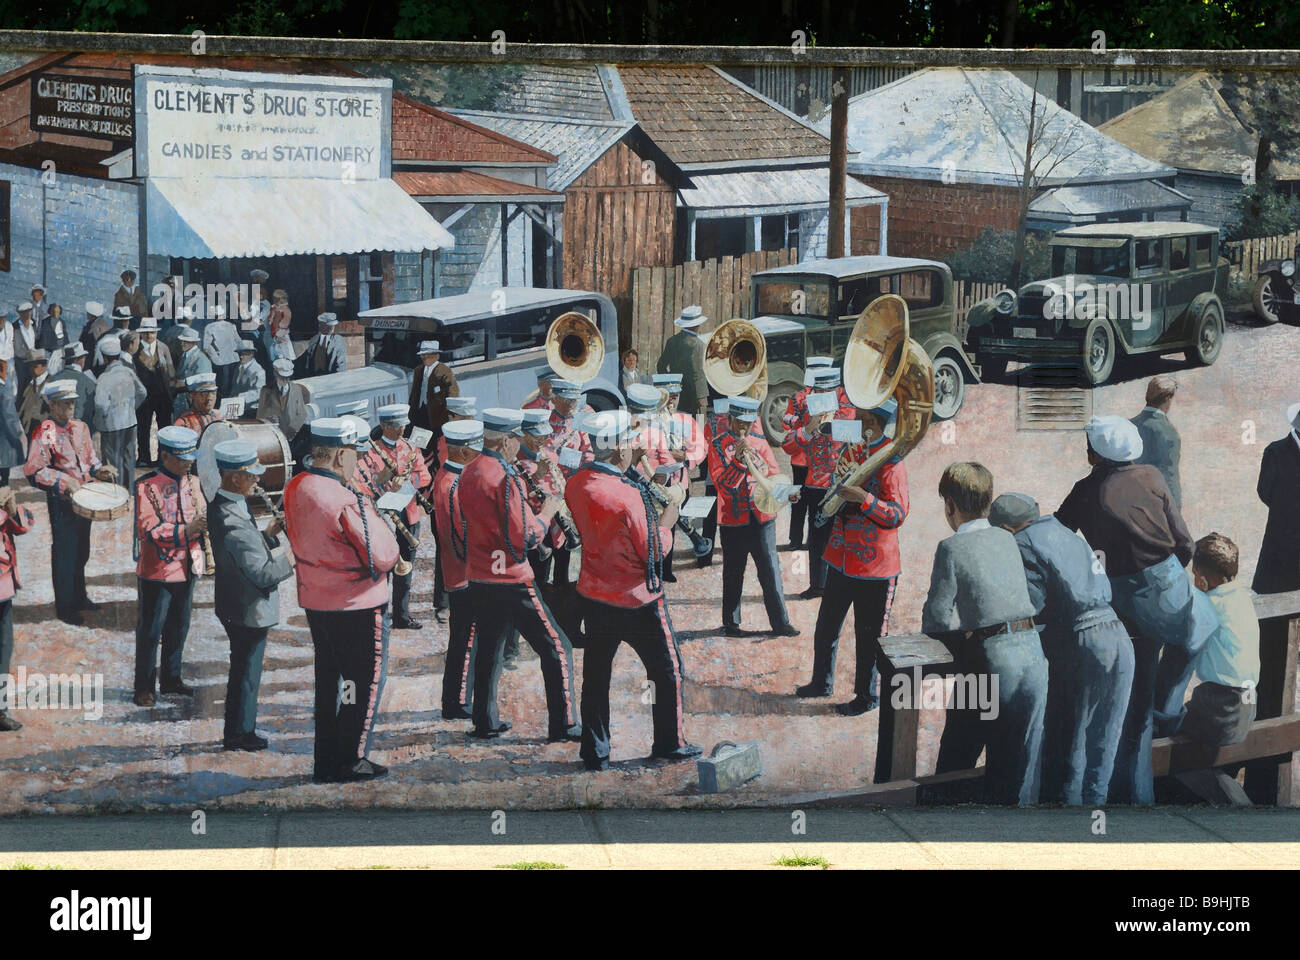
(648, 630)
(870, 600)
(457, 675)
(351, 656)
(498, 609)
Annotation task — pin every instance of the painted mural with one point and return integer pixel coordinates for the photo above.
(517, 434)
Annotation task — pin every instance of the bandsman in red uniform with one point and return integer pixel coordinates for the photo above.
(14, 521)
(388, 451)
(570, 448)
(685, 440)
(343, 550)
(746, 531)
(545, 376)
(621, 590)
(458, 408)
(170, 521)
(796, 409)
(812, 436)
(862, 560)
(464, 441)
(714, 424)
(544, 479)
(202, 389)
(643, 403)
(501, 583)
(60, 458)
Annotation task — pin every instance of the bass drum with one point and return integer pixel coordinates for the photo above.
(266, 438)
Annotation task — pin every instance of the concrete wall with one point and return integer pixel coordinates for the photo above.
(75, 235)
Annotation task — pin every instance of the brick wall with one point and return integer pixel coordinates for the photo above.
(864, 230)
(74, 235)
(930, 219)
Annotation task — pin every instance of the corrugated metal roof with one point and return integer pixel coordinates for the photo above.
(218, 218)
(840, 267)
(465, 183)
(1189, 127)
(974, 123)
(478, 304)
(751, 193)
(1094, 199)
(576, 144)
(1146, 230)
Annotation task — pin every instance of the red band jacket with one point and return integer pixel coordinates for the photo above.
(864, 538)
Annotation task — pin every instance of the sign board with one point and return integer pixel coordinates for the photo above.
(83, 106)
(232, 408)
(420, 437)
(200, 123)
(846, 431)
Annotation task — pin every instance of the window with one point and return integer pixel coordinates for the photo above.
(522, 331)
(4, 225)
(1098, 261)
(793, 298)
(459, 343)
(921, 288)
(1178, 253)
(1203, 250)
(1148, 256)
(780, 231)
(856, 294)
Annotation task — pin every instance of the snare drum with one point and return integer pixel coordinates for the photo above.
(99, 500)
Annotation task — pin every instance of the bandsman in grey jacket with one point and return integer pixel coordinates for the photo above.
(250, 378)
(251, 563)
(979, 606)
(117, 394)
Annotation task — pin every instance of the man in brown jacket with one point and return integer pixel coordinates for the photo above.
(130, 295)
(432, 384)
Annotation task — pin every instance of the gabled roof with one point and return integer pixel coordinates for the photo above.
(466, 186)
(1189, 127)
(974, 124)
(425, 133)
(702, 117)
(576, 144)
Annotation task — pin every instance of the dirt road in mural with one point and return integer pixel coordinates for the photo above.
(738, 689)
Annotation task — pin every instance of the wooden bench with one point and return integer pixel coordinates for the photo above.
(1267, 751)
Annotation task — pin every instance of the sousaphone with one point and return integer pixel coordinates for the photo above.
(735, 360)
(575, 347)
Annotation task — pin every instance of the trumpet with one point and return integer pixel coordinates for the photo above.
(770, 493)
(403, 566)
(701, 545)
(420, 498)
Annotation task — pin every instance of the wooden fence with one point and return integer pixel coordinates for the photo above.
(720, 287)
(1246, 255)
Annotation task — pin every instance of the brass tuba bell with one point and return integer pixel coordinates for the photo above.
(735, 360)
(575, 348)
(877, 349)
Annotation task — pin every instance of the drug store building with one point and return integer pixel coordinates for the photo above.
(199, 176)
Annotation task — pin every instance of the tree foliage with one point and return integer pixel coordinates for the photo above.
(989, 259)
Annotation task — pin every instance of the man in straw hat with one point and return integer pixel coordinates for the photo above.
(684, 353)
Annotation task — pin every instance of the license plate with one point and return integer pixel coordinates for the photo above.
(1025, 333)
(389, 323)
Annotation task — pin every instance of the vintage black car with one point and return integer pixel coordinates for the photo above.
(809, 308)
(1277, 291)
(1115, 288)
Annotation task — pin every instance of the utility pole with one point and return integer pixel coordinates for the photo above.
(839, 160)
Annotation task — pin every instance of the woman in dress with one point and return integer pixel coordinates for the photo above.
(279, 319)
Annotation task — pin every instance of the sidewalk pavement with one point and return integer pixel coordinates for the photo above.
(948, 838)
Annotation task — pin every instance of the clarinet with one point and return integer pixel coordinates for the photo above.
(563, 518)
(267, 502)
(700, 545)
(399, 525)
(209, 561)
(420, 498)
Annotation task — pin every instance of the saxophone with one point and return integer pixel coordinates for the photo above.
(420, 498)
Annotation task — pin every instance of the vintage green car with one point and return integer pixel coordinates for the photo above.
(808, 309)
(1115, 288)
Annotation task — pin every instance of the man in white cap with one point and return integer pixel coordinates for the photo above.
(326, 353)
(202, 391)
(283, 402)
(193, 361)
(501, 581)
(60, 458)
(1278, 569)
(221, 344)
(621, 589)
(117, 394)
(74, 369)
(40, 305)
(431, 385)
(170, 337)
(153, 365)
(26, 341)
(121, 326)
(464, 441)
(344, 550)
(684, 353)
(249, 379)
(1128, 516)
(130, 295)
(95, 326)
(32, 408)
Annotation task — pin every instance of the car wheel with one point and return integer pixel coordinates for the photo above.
(949, 388)
(1098, 351)
(774, 404)
(1209, 336)
(1266, 301)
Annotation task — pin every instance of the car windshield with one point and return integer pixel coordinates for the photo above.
(792, 298)
(1098, 261)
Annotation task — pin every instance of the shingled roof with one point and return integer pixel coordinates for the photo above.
(700, 117)
(425, 133)
(576, 144)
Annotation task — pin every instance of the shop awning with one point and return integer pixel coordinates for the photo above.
(216, 218)
(754, 193)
